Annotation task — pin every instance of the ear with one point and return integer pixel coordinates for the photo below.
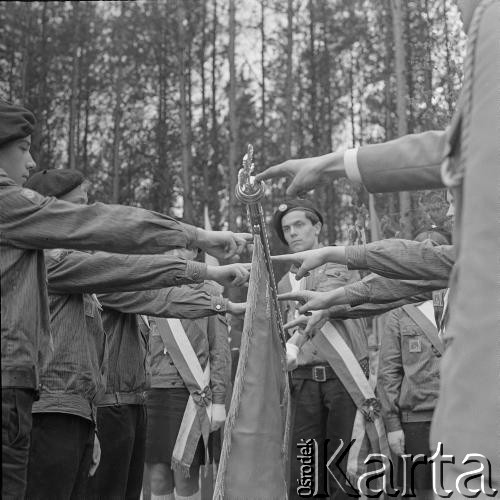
(317, 228)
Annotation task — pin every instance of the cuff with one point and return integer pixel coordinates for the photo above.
(351, 165)
(191, 232)
(357, 293)
(219, 304)
(356, 257)
(196, 271)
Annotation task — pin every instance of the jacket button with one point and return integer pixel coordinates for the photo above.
(218, 307)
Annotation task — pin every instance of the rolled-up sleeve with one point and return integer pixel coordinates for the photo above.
(377, 289)
(81, 272)
(403, 259)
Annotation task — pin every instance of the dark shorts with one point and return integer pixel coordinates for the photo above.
(165, 409)
(417, 442)
(60, 454)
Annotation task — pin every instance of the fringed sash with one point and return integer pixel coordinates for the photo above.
(196, 420)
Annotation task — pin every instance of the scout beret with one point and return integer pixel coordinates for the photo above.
(289, 206)
(55, 182)
(438, 235)
(16, 122)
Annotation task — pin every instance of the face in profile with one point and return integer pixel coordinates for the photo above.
(16, 160)
(299, 231)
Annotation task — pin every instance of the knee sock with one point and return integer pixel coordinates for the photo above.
(194, 496)
(168, 496)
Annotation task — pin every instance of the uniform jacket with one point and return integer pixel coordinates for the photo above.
(210, 341)
(327, 277)
(408, 377)
(72, 374)
(28, 222)
(128, 333)
(403, 259)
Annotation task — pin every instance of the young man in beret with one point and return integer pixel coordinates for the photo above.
(62, 438)
(30, 222)
(323, 408)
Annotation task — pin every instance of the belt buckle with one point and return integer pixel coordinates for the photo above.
(319, 373)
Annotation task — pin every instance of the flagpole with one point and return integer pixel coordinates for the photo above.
(250, 193)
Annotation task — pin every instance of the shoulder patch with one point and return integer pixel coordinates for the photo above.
(31, 195)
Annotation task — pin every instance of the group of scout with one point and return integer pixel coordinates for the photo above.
(326, 383)
(465, 159)
(75, 331)
(74, 324)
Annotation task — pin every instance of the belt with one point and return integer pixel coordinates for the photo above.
(318, 373)
(122, 398)
(417, 416)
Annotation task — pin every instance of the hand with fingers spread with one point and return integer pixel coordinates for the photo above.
(232, 274)
(314, 301)
(309, 324)
(222, 244)
(311, 259)
(306, 173)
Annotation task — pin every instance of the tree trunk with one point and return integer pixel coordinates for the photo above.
(401, 103)
(204, 125)
(233, 118)
(313, 81)
(289, 81)
(449, 84)
(214, 140)
(73, 107)
(187, 159)
(262, 152)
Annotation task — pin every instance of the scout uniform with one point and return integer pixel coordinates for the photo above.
(171, 387)
(29, 222)
(408, 381)
(322, 407)
(121, 413)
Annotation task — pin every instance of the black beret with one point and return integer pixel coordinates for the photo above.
(289, 206)
(55, 182)
(16, 122)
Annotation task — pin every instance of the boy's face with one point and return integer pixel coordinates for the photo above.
(299, 232)
(16, 160)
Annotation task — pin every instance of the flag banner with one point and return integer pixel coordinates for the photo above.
(253, 462)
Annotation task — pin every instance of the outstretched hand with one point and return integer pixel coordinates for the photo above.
(305, 173)
(231, 274)
(309, 324)
(311, 301)
(223, 244)
(304, 261)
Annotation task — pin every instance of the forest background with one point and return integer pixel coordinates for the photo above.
(156, 101)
